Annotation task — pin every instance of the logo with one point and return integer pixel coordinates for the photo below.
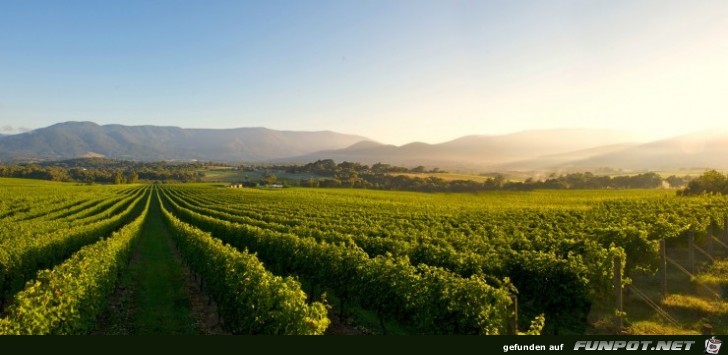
(712, 346)
(665, 345)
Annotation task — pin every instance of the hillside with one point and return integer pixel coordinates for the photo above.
(701, 150)
(478, 151)
(150, 143)
(549, 150)
(528, 151)
(562, 161)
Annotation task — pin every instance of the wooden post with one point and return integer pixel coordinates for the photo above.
(725, 230)
(663, 268)
(514, 321)
(618, 294)
(710, 242)
(691, 251)
(707, 329)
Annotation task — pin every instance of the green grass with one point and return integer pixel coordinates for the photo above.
(160, 302)
(687, 301)
(655, 327)
(716, 275)
(696, 305)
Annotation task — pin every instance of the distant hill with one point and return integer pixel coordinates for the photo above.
(562, 161)
(529, 151)
(549, 150)
(479, 151)
(148, 143)
(701, 150)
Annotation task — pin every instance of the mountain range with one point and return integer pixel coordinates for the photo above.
(479, 151)
(536, 150)
(70, 140)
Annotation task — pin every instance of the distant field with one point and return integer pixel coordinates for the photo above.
(520, 176)
(222, 174)
(232, 175)
(229, 174)
(693, 172)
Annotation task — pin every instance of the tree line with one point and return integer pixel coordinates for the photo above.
(108, 171)
(710, 182)
(385, 177)
(327, 173)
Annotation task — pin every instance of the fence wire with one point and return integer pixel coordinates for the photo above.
(692, 277)
(654, 305)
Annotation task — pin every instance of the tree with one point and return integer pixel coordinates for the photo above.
(676, 181)
(270, 179)
(132, 177)
(710, 182)
(647, 181)
(418, 170)
(118, 178)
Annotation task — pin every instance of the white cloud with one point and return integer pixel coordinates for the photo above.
(11, 129)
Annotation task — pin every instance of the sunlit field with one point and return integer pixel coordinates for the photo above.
(351, 260)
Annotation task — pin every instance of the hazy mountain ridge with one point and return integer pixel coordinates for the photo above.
(699, 150)
(146, 143)
(537, 150)
(550, 150)
(484, 152)
(563, 160)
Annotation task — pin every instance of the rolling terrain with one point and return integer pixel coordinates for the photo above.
(557, 150)
(71, 140)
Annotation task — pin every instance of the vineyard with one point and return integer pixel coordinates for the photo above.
(306, 261)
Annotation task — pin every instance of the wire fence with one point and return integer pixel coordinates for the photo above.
(659, 310)
(693, 277)
(709, 256)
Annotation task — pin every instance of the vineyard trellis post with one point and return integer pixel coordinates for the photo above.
(710, 250)
(618, 322)
(725, 230)
(514, 322)
(663, 268)
(691, 251)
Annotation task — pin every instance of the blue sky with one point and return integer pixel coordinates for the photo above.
(395, 71)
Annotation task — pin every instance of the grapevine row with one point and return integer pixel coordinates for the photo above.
(69, 298)
(22, 256)
(432, 299)
(559, 283)
(560, 259)
(253, 300)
